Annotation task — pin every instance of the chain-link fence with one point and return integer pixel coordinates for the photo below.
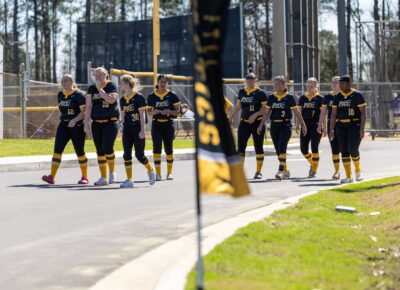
(41, 114)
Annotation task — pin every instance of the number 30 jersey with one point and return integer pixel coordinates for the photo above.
(348, 106)
(281, 107)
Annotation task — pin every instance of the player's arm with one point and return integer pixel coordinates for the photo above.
(266, 110)
(110, 98)
(322, 120)
(363, 118)
(236, 109)
(333, 122)
(142, 117)
(300, 120)
(87, 113)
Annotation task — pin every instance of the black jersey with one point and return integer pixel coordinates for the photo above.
(251, 101)
(131, 105)
(348, 106)
(328, 102)
(166, 101)
(70, 105)
(310, 107)
(102, 110)
(281, 107)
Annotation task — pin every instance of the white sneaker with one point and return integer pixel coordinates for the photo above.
(158, 177)
(127, 184)
(336, 176)
(279, 175)
(152, 177)
(170, 177)
(346, 180)
(359, 176)
(112, 178)
(101, 182)
(286, 174)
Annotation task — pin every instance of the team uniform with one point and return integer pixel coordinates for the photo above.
(348, 125)
(162, 129)
(251, 102)
(131, 106)
(281, 107)
(105, 127)
(335, 148)
(70, 106)
(311, 110)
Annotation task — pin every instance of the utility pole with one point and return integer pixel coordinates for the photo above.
(341, 12)
(279, 63)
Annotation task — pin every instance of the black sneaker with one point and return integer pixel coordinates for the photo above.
(258, 175)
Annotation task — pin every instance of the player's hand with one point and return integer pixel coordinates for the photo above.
(324, 132)
(72, 123)
(362, 134)
(331, 135)
(156, 111)
(319, 129)
(142, 135)
(304, 129)
(259, 129)
(298, 128)
(87, 129)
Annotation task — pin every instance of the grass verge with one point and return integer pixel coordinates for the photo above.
(312, 246)
(21, 147)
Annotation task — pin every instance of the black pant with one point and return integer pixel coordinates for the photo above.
(104, 135)
(280, 135)
(163, 132)
(64, 134)
(312, 137)
(130, 138)
(335, 147)
(246, 130)
(349, 139)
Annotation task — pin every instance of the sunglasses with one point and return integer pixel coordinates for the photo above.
(250, 78)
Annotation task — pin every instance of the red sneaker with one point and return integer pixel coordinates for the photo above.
(48, 178)
(84, 180)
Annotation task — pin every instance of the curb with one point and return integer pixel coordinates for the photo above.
(40, 162)
(166, 267)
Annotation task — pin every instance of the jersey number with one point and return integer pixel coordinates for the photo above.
(251, 108)
(283, 113)
(71, 112)
(105, 104)
(351, 112)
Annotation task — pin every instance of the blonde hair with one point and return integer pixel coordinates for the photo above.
(282, 79)
(132, 81)
(315, 81)
(71, 78)
(103, 70)
(335, 78)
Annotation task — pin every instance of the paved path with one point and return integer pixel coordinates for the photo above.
(68, 236)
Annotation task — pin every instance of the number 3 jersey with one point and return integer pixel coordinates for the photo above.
(131, 105)
(70, 105)
(101, 109)
(251, 101)
(311, 108)
(348, 107)
(281, 107)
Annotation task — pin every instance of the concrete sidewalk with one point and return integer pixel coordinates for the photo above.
(22, 163)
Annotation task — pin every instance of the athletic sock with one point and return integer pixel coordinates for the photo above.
(147, 165)
(157, 163)
(308, 156)
(128, 168)
(170, 162)
(111, 162)
(282, 162)
(347, 166)
(336, 162)
(356, 161)
(83, 163)
(55, 164)
(102, 161)
(315, 159)
(260, 162)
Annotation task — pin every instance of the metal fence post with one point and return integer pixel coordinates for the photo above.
(24, 98)
(89, 73)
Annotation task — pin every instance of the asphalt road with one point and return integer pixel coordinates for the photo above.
(69, 236)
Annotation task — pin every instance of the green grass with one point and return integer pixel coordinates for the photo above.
(21, 147)
(312, 246)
